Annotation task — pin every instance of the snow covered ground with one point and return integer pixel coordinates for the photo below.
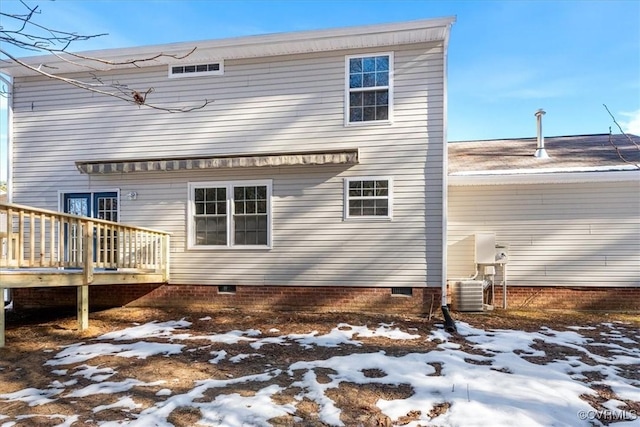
(477, 378)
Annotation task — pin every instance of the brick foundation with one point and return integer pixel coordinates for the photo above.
(573, 298)
(277, 298)
(99, 296)
(319, 299)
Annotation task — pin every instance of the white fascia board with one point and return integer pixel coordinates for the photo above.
(483, 178)
(299, 42)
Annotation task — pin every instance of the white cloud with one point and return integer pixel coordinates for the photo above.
(630, 122)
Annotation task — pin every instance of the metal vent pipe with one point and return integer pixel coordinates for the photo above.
(540, 153)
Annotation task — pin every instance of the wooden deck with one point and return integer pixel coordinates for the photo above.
(41, 248)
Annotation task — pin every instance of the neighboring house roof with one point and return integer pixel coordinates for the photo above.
(575, 154)
(360, 37)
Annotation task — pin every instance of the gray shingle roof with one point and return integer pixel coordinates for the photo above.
(577, 151)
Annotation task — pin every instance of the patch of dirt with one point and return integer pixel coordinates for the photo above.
(184, 416)
(34, 337)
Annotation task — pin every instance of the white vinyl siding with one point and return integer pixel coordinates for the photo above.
(263, 105)
(557, 234)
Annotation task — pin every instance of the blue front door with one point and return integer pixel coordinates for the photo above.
(95, 205)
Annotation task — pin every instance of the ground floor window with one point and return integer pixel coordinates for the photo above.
(368, 197)
(230, 214)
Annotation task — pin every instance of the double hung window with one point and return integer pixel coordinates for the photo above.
(369, 88)
(369, 197)
(230, 215)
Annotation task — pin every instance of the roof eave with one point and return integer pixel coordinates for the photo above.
(544, 178)
(428, 30)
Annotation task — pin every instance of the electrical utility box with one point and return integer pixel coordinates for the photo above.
(485, 250)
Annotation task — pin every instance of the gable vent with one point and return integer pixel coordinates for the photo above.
(195, 70)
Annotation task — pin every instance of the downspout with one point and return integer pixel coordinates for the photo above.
(9, 163)
(6, 294)
(449, 324)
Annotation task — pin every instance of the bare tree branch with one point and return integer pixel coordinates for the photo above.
(31, 36)
(622, 132)
(26, 36)
(620, 128)
(133, 98)
(133, 61)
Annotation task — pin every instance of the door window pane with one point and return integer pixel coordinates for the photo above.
(78, 206)
(106, 208)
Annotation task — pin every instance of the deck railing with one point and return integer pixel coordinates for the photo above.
(32, 238)
(39, 238)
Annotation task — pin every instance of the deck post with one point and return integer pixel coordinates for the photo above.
(87, 274)
(2, 325)
(83, 307)
(166, 254)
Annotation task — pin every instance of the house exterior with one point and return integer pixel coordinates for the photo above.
(313, 178)
(569, 223)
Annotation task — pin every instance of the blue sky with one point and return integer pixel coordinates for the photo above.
(506, 58)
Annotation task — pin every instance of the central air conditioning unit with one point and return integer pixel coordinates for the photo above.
(468, 295)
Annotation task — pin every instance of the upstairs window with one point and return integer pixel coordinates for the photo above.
(369, 88)
(369, 197)
(195, 70)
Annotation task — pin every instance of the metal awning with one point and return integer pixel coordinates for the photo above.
(332, 157)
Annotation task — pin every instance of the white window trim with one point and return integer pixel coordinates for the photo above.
(196, 74)
(348, 217)
(347, 90)
(191, 230)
